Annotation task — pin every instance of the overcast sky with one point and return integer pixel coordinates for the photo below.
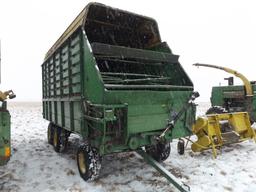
(221, 32)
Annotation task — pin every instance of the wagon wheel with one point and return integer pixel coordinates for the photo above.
(60, 139)
(181, 147)
(66, 136)
(160, 151)
(56, 138)
(50, 133)
(88, 162)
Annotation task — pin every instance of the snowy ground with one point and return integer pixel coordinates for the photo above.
(34, 166)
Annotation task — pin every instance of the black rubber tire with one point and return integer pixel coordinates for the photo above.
(60, 140)
(56, 138)
(88, 162)
(216, 110)
(159, 152)
(181, 147)
(50, 133)
(64, 139)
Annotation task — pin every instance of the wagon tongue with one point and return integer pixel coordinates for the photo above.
(170, 177)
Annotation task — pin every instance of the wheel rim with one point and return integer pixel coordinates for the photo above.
(55, 137)
(81, 162)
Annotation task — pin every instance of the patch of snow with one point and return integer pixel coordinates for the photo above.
(34, 166)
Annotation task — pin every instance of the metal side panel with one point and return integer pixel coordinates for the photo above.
(77, 116)
(59, 115)
(67, 115)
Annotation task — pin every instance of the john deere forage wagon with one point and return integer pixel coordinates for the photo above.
(110, 79)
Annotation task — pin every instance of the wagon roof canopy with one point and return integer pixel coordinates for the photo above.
(113, 26)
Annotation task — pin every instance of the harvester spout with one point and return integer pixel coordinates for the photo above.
(7, 95)
(247, 84)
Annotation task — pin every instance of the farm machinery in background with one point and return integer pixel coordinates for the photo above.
(230, 117)
(233, 98)
(5, 124)
(5, 127)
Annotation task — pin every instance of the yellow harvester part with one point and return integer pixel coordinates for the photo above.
(214, 131)
(7, 94)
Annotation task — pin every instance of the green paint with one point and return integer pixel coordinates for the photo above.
(5, 140)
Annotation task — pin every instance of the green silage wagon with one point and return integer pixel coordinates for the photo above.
(110, 79)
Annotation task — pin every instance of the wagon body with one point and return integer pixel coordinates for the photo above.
(110, 79)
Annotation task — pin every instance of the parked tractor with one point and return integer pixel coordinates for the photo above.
(111, 79)
(233, 98)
